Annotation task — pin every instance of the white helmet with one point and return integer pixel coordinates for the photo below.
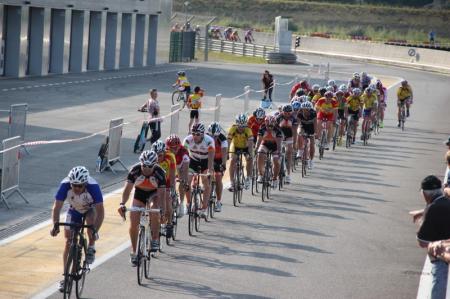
(330, 88)
(306, 105)
(78, 175)
(356, 91)
(343, 88)
(316, 87)
(159, 147)
(148, 158)
(260, 113)
(331, 83)
(241, 120)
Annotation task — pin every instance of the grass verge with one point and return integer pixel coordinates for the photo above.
(218, 56)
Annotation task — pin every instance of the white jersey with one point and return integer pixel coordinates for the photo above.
(199, 151)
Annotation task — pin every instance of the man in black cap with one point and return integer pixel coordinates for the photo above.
(435, 227)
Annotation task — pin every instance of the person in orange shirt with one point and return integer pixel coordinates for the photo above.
(255, 121)
(326, 107)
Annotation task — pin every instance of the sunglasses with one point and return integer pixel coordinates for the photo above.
(77, 186)
(197, 134)
(147, 166)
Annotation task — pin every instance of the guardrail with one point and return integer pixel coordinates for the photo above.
(236, 48)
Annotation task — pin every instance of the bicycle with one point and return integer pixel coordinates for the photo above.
(212, 199)
(76, 266)
(337, 126)
(175, 204)
(195, 204)
(144, 238)
(350, 129)
(305, 156)
(403, 113)
(141, 139)
(255, 175)
(323, 139)
(179, 96)
(267, 176)
(238, 178)
(283, 169)
(366, 131)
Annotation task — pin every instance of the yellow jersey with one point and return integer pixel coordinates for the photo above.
(239, 139)
(404, 92)
(183, 81)
(194, 101)
(168, 164)
(354, 102)
(315, 98)
(369, 101)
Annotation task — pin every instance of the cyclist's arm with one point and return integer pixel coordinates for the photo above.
(126, 192)
(279, 140)
(56, 210)
(294, 134)
(315, 126)
(224, 155)
(250, 145)
(99, 215)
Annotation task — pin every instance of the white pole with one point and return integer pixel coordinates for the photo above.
(247, 99)
(218, 104)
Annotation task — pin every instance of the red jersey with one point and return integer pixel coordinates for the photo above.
(254, 125)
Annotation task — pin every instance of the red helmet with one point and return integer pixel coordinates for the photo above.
(303, 84)
(173, 140)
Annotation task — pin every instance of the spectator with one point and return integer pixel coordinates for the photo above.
(447, 143)
(447, 176)
(435, 227)
(267, 81)
(431, 37)
(176, 28)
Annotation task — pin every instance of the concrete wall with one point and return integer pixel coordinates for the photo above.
(60, 36)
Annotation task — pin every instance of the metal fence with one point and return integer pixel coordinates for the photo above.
(236, 48)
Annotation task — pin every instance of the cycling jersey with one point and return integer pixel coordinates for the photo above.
(239, 139)
(342, 103)
(404, 92)
(182, 81)
(199, 151)
(354, 102)
(315, 98)
(168, 164)
(254, 125)
(325, 107)
(307, 121)
(354, 84)
(220, 142)
(286, 124)
(147, 183)
(194, 101)
(80, 204)
(269, 136)
(181, 156)
(369, 101)
(383, 94)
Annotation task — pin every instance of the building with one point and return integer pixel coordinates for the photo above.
(40, 37)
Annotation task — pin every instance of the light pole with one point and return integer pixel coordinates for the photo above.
(186, 4)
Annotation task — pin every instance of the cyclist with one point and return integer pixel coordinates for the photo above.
(344, 89)
(227, 33)
(182, 83)
(85, 198)
(332, 83)
(195, 103)
(255, 121)
(308, 123)
(201, 154)
(326, 108)
(354, 107)
(404, 96)
(288, 124)
(365, 80)
(319, 95)
(314, 90)
(240, 138)
(235, 36)
(382, 98)
(166, 160)
(303, 84)
(173, 143)
(355, 82)
(152, 107)
(369, 99)
(220, 159)
(342, 113)
(149, 182)
(269, 140)
(249, 36)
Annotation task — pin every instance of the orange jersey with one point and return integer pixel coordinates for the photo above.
(169, 164)
(326, 108)
(254, 125)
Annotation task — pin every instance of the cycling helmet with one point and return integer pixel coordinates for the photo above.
(78, 175)
(373, 86)
(331, 83)
(404, 82)
(379, 84)
(198, 128)
(343, 88)
(159, 147)
(287, 108)
(214, 129)
(300, 92)
(241, 120)
(339, 92)
(181, 73)
(303, 84)
(322, 90)
(316, 87)
(259, 113)
(296, 105)
(173, 140)
(148, 158)
(363, 74)
(328, 94)
(307, 105)
(356, 91)
(330, 88)
(356, 76)
(270, 120)
(304, 98)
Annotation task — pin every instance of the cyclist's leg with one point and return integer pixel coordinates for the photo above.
(289, 155)
(206, 181)
(169, 208)
(249, 162)
(262, 155)
(300, 143)
(276, 166)
(219, 185)
(312, 147)
(155, 217)
(399, 106)
(156, 131)
(232, 165)
(140, 202)
(319, 128)
(71, 217)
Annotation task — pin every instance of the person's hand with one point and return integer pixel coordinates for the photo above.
(121, 210)
(417, 215)
(55, 230)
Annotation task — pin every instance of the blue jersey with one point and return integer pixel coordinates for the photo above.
(83, 202)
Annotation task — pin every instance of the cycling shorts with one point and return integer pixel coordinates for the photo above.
(308, 129)
(75, 217)
(144, 196)
(194, 114)
(268, 147)
(218, 165)
(341, 114)
(354, 114)
(243, 150)
(402, 102)
(287, 133)
(367, 112)
(195, 164)
(325, 116)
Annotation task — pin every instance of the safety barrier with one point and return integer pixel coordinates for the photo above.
(18, 120)
(175, 119)
(10, 169)
(115, 142)
(237, 48)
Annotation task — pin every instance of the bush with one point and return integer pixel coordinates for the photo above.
(356, 31)
(292, 26)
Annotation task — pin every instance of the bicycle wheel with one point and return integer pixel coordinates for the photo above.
(212, 201)
(174, 223)
(148, 254)
(322, 145)
(282, 173)
(81, 271)
(69, 272)
(241, 184)
(141, 256)
(197, 203)
(236, 185)
(176, 97)
(191, 212)
(335, 136)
